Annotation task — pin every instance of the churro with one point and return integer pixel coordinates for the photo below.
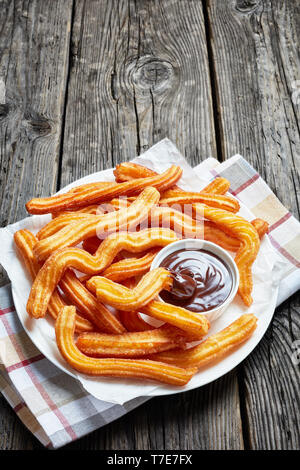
(25, 241)
(91, 194)
(136, 344)
(129, 171)
(63, 220)
(122, 298)
(55, 266)
(94, 310)
(249, 244)
(193, 323)
(216, 235)
(172, 197)
(214, 348)
(91, 244)
(101, 225)
(136, 368)
(134, 322)
(130, 267)
(93, 209)
(218, 185)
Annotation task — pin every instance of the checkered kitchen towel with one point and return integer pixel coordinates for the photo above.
(53, 405)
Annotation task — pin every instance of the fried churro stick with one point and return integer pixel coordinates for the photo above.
(137, 368)
(101, 225)
(25, 240)
(216, 235)
(136, 344)
(172, 197)
(94, 310)
(217, 186)
(134, 322)
(55, 225)
(187, 227)
(193, 323)
(55, 266)
(129, 171)
(93, 209)
(91, 194)
(130, 267)
(122, 298)
(91, 244)
(249, 244)
(214, 348)
(261, 226)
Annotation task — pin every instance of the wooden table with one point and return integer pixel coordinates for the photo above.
(87, 84)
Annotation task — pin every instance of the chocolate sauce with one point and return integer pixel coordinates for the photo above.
(201, 282)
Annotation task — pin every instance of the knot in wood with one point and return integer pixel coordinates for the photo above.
(247, 6)
(36, 125)
(154, 74)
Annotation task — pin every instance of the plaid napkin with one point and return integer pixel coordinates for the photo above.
(53, 405)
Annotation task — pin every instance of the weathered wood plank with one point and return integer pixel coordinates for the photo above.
(192, 420)
(34, 45)
(139, 72)
(34, 52)
(256, 61)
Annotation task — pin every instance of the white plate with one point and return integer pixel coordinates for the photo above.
(266, 275)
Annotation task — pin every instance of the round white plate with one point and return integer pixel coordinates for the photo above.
(266, 276)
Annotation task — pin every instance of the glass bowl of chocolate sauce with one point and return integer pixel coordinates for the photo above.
(205, 277)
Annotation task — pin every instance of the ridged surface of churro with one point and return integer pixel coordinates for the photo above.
(104, 224)
(55, 266)
(122, 298)
(131, 344)
(214, 348)
(130, 267)
(90, 194)
(191, 322)
(112, 367)
(87, 303)
(249, 244)
(25, 241)
(172, 197)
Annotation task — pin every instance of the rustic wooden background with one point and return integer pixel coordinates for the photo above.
(87, 84)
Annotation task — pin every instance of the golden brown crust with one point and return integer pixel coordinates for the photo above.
(99, 225)
(134, 322)
(25, 241)
(129, 171)
(122, 298)
(218, 185)
(172, 197)
(112, 367)
(249, 244)
(55, 266)
(130, 267)
(93, 193)
(136, 344)
(215, 347)
(193, 323)
(87, 303)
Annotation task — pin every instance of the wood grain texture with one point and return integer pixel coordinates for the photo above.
(34, 44)
(256, 64)
(198, 420)
(138, 73)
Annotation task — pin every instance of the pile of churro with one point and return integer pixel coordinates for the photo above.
(90, 267)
